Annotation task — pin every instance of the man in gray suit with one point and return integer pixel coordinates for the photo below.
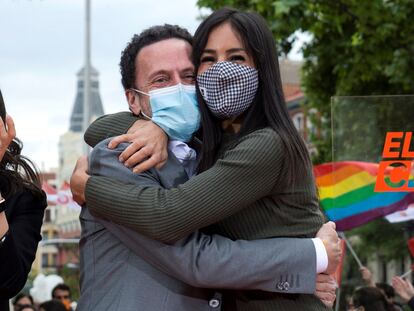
(123, 270)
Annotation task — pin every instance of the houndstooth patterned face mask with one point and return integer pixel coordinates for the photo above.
(228, 88)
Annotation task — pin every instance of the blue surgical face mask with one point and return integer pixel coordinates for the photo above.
(175, 110)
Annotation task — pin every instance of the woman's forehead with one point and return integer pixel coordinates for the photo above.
(224, 37)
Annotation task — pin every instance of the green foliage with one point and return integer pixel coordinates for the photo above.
(379, 237)
(360, 125)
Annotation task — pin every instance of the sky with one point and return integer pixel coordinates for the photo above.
(42, 49)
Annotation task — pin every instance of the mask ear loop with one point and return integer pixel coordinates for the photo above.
(141, 113)
(145, 116)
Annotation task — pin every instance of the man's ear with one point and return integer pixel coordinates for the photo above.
(133, 102)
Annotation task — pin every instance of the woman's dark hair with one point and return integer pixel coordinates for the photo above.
(371, 298)
(18, 172)
(387, 289)
(268, 108)
(20, 296)
(26, 307)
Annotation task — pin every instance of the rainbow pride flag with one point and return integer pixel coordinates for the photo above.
(346, 192)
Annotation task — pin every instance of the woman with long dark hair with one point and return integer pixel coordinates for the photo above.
(267, 109)
(255, 176)
(369, 299)
(21, 213)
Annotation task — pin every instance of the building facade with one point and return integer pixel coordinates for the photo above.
(290, 72)
(61, 226)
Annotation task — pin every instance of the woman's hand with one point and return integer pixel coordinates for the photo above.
(403, 288)
(367, 276)
(4, 225)
(148, 147)
(6, 135)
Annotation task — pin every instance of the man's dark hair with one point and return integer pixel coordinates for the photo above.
(388, 289)
(61, 286)
(149, 36)
(53, 305)
(371, 298)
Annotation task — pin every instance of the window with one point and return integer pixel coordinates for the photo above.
(45, 259)
(45, 235)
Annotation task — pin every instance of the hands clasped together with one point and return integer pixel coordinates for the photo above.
(326, 284)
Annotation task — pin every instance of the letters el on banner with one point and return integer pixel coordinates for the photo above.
(372, 170)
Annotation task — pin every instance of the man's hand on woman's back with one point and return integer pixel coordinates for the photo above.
(148, 147)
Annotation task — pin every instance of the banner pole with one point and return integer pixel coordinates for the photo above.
(406, 274)
(338, 298)
(342, 235)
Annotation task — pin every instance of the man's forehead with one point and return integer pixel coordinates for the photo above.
(165, 55)
(61, 290)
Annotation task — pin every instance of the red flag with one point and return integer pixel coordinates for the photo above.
(411, 246)
(338, 273)
(51, 193)
(65, 196)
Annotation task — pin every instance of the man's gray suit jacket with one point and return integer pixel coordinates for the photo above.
(124, 270)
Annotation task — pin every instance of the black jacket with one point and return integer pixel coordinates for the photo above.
(411, 303)
(24, 212)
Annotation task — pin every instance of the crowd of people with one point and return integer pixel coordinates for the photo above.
(371, 296)
(381, 296)
(61, 301)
